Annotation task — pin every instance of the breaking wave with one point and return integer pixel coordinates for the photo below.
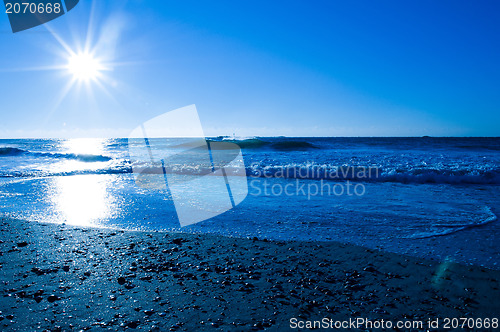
(10, 152)
(284, 145)
(375, 174)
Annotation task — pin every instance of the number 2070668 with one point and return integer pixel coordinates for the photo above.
(32, 8)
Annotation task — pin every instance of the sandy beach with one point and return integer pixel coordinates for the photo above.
(61, 278)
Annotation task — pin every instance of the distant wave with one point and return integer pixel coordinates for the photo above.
(444, 229)
(88, 158)
(9, 152)
(269, 165)
(284, 145)
(41, 173)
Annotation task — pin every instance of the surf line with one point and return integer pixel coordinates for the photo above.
(316, 172)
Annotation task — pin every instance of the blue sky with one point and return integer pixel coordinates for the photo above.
(323, 68)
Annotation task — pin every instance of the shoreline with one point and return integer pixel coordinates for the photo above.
(63, 277)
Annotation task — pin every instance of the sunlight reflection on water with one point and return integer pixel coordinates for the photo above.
(85, 146)
(83, 199)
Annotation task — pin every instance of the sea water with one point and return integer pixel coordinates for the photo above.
(428, 197)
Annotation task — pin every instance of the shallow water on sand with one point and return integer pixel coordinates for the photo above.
(436, 221)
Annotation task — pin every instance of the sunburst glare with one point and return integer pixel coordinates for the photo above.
(84, 66)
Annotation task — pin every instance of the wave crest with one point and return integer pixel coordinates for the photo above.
(6, 151)
(375, 174)
(9, 152)
(285, 145)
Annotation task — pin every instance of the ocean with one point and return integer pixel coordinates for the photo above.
(428, 197)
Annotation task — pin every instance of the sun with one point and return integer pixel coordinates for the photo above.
(84, 67)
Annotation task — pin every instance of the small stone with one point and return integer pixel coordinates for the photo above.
(65, 268)
(53, 298)
(22, 244)
(133, 324)
(370, 269)
(121, 280)
(379, 311)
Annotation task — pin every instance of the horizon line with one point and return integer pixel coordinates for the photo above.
(239, 137)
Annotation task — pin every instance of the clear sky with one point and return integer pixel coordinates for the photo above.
(294, 68)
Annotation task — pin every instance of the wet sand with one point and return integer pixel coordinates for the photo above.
(61, 277)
